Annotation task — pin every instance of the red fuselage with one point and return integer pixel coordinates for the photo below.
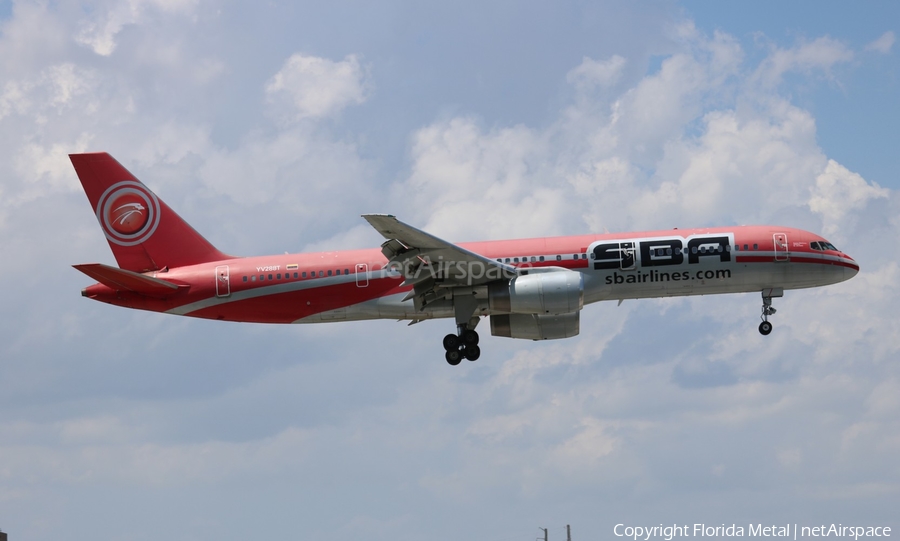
(354, 284)
(530, 288)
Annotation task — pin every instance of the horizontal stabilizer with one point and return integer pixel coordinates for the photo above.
(125, 280)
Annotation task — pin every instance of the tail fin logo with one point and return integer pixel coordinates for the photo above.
(128, 213)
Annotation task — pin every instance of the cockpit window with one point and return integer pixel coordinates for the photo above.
(822, 245)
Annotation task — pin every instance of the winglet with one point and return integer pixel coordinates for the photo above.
(125, 280)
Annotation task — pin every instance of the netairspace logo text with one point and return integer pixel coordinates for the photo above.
(788, 531)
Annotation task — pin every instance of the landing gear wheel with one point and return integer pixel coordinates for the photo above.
(469, 337)
(451, 343)
(454, 356)
(463, 344)
(767, 309)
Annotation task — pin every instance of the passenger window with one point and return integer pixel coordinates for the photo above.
(507, 260)
(245, 278)
(329, 273)
(541, 258)
(746, 247)
(346, 271)
(304, 274)
(262, 277)
(321, 274)
(253, 278)
(295, 275)
(270, 277)
(559, 258)
(574, 256)
(516, 260)
(693, 249)
(583, 256)
(279, 276)
(756, 246)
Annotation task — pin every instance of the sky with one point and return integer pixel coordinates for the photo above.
(271, 127)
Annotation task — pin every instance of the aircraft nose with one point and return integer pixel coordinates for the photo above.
(851, 269)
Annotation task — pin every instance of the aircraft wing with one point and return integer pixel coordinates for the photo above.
(425, 260)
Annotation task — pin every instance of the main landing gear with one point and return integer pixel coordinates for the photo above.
(767, 309)
(462, 344)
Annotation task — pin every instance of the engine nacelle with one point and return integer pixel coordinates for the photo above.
(536, 326)
(545, 293)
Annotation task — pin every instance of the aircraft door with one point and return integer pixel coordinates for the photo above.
(781, 246)
(223, 281)
(362, 275)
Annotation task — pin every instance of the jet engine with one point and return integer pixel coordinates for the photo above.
(536, 326)
(545, 293)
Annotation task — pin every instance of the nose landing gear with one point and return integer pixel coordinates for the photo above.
(767, 309)
(462, 344)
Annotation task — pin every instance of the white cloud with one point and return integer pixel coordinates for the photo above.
(47, 170)
(67, 83)
(313, 87)
(594, 440)
(635, 165)
(108, 18)
(307, 175)
(106, 450)
(458, 170)
(34, 37)
(819, 55)
(838, 191)
(763, 158)
(593, 73)
(52, 90)
(659, 106)
(14, 99)
(883, 44)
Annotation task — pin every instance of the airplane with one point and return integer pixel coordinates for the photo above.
(529, 288)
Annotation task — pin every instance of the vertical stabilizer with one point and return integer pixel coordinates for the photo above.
(143, 232)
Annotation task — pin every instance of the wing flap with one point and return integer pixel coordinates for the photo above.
(125, 280)
(405, 243)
